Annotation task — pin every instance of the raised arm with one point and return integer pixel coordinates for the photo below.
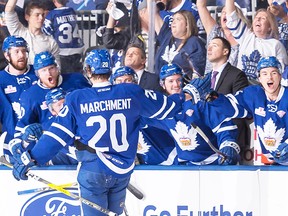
(158, 20)
(230, 6)
(205, 16)
(10, 5)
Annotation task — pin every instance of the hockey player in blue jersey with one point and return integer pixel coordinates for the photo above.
(32, 101)
(16, 77)
(267, 104)
(106, 118)
(155, 146)
(124, 74)
(191, 148)
(61, 23)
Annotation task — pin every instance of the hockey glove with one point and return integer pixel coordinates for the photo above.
(198, 89)
(281, 154)
(231, 150)
(21, 167)
(16, 148)
(32, 133)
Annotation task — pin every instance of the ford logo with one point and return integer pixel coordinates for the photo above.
(52, 203)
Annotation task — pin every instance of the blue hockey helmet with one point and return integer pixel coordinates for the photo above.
(169, 70)
(43, 59)
(99, 61)
(270, 61)
(54, 95)
(13, 41)
(125, 70)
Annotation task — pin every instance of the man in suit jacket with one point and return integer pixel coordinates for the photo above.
(135, 58)
(229, 79)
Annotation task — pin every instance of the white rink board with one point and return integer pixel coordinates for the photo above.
(169, 191)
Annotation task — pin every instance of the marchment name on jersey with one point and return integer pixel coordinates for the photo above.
(106, 105)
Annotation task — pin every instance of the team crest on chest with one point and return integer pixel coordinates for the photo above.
(185, 136)
(169, 53)
(142, 147)
(249, 64)
(10, 89)
(270, 136)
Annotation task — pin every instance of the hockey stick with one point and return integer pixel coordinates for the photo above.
(135, 191)
(203, 135)
(36, 190)
(62, 190)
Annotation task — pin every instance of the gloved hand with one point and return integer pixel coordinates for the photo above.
(16, 148)
(231, 150)
(21, 167)
(198, 88)
(281, 153)
(32, 132)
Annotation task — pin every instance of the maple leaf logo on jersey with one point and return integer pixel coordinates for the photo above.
(18, 110)
(270, 136)
(142, 147)
(185, 137)
(169, 54)
(250, 64)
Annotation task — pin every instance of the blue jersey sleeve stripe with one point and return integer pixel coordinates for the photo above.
(162, 108)
(168, 111)
(227, 128)
(64, 129)
(57, 138)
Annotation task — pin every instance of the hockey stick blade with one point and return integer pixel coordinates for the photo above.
(203, 135)
(62, 190)
(135, 191)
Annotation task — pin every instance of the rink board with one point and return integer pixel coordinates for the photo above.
(169, 191)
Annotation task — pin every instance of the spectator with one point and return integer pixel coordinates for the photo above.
(179, 44)
(136, 59)
(172, 6)
(259, 41)
(110, 133)
(281, 16)
(61, 23)
(213, 29)
(16, 77)
(37, 41)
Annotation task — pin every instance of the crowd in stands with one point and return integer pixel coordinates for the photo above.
(42, 50)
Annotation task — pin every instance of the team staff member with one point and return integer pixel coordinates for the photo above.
(106, 118)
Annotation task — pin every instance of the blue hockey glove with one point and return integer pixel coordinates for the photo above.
(21, 167)
(16, 148)
(32, 132)
(198, 88)
(281, 154)
(231, 150)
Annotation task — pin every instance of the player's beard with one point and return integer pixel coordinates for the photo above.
(19, 65)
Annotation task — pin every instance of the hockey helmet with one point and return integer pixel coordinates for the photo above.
(43, 59)
(54, 95)
(13, 41)
(125, 70)
(169, 70)
(99, 61)
(270, 61)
